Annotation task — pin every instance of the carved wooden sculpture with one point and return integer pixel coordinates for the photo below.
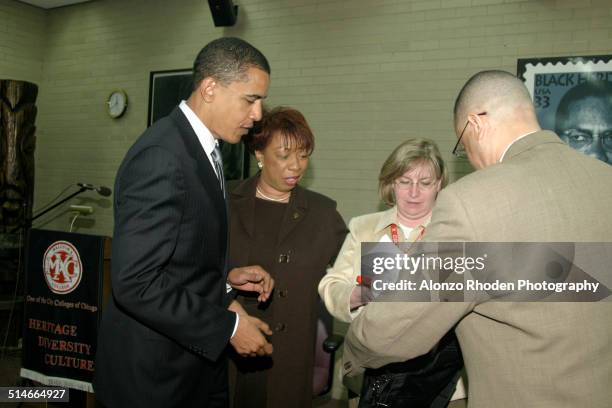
(17, 143)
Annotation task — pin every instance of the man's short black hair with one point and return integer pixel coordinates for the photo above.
(226, 60)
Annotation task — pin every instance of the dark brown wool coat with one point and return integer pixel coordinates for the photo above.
(310, 236)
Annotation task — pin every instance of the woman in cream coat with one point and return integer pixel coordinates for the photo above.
(409, 182)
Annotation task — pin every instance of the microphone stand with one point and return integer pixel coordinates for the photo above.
(25, 224)
(28, 223)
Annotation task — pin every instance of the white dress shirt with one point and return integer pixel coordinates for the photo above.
(208, 142)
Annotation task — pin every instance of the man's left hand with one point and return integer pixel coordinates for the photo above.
(252, 279)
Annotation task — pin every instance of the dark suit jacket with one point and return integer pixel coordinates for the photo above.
(164, 331)
(309, 237)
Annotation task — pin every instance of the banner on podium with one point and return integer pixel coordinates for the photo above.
(63, 298)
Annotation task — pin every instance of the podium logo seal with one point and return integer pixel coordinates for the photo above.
(62, 267)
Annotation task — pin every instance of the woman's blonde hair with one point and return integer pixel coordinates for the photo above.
(405, 157)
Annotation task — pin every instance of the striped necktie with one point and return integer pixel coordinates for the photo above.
(218, 161)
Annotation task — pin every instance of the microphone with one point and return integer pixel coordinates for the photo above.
(103, 191)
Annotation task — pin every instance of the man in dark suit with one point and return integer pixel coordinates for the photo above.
(166, 327)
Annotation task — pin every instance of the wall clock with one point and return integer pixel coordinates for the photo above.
(117, 103)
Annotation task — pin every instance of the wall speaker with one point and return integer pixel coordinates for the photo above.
(224, 12)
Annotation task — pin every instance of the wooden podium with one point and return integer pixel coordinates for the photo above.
(67, 284)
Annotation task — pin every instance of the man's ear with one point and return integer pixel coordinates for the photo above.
(207, 89)
(479, 124)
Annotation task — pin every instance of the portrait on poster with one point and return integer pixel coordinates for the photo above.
(573, 97)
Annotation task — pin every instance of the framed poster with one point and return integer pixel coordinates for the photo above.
(573, 97)
(166, 90)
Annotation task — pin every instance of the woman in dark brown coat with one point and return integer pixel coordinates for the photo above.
(294, 234)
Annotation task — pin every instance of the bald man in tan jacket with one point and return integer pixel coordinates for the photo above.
(529, 186)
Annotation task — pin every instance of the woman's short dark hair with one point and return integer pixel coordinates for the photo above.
(291, 125)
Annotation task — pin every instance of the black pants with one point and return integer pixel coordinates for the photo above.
(427, 381)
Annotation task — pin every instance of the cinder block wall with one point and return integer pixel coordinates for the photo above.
(366, 73)
(22, 37)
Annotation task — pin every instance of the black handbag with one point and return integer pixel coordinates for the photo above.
(427, 381)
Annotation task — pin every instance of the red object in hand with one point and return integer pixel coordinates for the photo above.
(364, 281)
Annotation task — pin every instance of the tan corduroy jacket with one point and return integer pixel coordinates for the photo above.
(545, 355)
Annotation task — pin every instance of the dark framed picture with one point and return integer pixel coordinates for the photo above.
(166, 90)
(573, 97)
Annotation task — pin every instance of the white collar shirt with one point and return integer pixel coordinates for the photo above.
(207, 140)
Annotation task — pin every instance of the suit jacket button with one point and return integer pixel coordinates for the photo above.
(283, 258)
(280, 327)
(283, 293)
(296, 215)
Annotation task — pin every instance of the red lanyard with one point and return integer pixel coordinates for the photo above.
(395, 236)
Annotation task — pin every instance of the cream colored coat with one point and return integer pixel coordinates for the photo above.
(336, 286)
(545, 355)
